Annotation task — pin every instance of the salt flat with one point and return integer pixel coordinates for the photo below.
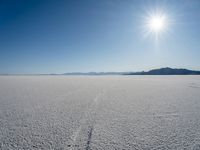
(100, 112)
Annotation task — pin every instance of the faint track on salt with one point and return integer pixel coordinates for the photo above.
(89, 137)
(87, 122)
(194, 85)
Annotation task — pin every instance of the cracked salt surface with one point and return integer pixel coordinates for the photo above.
(100, 112)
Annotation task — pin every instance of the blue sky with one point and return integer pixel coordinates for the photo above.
(58, 36)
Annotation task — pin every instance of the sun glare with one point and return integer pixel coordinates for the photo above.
(157, 23)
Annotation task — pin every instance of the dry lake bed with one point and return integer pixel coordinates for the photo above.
(100, 112)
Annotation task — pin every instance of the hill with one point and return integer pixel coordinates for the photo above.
(166, 71)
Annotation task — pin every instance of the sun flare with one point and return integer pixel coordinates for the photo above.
(157, 23)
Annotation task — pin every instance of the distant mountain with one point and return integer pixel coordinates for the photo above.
(161, 71)
(166, 71)
(95, 73)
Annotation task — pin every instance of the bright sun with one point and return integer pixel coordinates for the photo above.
(157, 23)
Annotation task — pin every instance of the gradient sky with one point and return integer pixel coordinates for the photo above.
(58, 36)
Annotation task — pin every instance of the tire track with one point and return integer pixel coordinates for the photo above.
(89, 137)
(85, 130)
(194, 85)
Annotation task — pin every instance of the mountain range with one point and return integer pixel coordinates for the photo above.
(166, 71)
(161, 71)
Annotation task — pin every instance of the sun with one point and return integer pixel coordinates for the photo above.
(157, 23)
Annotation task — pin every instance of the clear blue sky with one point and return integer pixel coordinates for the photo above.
(58, 36)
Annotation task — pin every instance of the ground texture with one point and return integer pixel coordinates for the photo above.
(100, 112)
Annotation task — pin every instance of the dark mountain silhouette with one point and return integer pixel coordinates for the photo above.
(95, 73)
(166, 71)
(161, 71)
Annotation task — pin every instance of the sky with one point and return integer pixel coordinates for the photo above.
(59, 36)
